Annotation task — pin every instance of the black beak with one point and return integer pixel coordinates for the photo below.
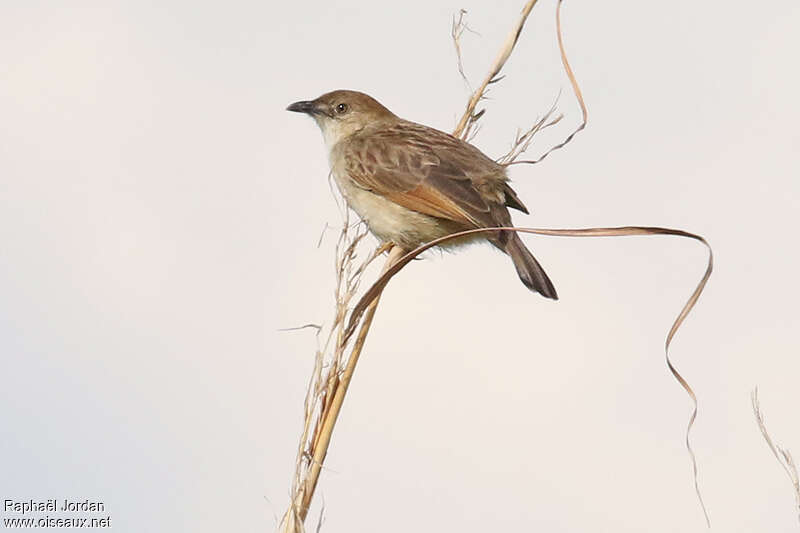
(308, 107)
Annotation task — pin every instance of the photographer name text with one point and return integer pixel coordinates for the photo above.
(53, 505)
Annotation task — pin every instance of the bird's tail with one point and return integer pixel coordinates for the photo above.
(530, 271)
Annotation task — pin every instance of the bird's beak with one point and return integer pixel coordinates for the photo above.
(308, 107)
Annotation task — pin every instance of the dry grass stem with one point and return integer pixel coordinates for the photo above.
(329, 377)
(576, 90)
(783, 455)
(470, 117)
(372, 293)
(469, 126)
(522, 140)
(456, 31)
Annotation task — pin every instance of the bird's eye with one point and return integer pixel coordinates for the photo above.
(341, 108)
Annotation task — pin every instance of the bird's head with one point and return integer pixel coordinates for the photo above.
(341, 113)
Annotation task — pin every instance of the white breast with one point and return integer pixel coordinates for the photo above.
(387, 220)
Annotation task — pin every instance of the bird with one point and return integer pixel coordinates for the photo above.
(412, 184)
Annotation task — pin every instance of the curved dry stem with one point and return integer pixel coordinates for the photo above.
(372, 293)
(576, 90)
(783, 455)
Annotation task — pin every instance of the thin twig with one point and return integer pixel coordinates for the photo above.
(470, 117)
(522, 141)
(304, 326)
(575, 89)
(322, 235)
(783, 455)
(456, 31)
(321, 518)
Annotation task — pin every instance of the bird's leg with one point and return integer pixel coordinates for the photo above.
(384, 247)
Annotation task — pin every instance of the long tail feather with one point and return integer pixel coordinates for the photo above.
(530, 271)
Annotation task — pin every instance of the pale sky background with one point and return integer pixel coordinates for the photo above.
(159, 216)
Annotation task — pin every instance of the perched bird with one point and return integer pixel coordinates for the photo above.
(412, 184)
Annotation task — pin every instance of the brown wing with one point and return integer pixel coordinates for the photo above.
(428, 171)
